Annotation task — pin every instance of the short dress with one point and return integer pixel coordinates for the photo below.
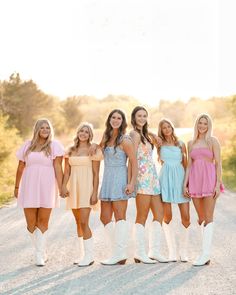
(80, 184)
(115, 175)
(172, 175)
(38, 187)
(202, 174)
(147, 179)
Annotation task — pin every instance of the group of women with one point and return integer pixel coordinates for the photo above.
(129, 171)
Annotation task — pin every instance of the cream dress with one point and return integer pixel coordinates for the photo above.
(80, 184)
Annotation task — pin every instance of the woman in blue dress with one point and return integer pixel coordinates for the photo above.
(172, 155)
(117, 185)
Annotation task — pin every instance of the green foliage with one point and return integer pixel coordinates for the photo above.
(24, 103)
(9, 141)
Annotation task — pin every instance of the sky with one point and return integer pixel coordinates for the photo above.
(148, 49)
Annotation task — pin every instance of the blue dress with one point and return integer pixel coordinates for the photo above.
(115, 176)
(172, 175)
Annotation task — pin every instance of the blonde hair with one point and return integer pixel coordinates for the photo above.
(46, 147)
(209, 130)
(76, 138)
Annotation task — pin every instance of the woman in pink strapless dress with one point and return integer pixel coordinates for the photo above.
(203, 179)
(36, 189)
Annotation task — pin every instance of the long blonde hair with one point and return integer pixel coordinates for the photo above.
(46, 147)
(209, 130)
(76, 138)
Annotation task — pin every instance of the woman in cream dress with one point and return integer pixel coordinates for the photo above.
(80, 185)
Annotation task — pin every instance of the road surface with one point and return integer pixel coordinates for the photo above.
(19, 275)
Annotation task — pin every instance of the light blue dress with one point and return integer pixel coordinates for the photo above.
(172, 175)
(115, 176)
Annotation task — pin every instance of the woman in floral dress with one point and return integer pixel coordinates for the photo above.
(147, 190)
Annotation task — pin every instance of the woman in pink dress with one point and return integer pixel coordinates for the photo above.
(203, 179)
(39, 168)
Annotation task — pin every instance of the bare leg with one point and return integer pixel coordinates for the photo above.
(106, 212)
(143, 203)
(31, 218)
(84, 222)
(119, 209)
(167, 213)
(185, 215)
(157, 209)
(43, 218)
(198, 204)
(76, 213)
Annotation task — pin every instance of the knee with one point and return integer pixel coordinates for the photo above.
(83, 224)
(42, 223)
(105, 219)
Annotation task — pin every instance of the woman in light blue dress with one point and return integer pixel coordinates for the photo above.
(117, 185)
(172, 155)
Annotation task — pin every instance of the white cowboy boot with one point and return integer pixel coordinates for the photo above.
(88, 258)
(119, 255)
(110, 235)
(170, 239)
(40, 241)
(140, 252)
(155, 241)
(183, 244)
(204, 258)
(79, 249)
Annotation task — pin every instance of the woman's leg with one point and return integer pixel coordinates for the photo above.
(143, 204)
(169, 233)
(76, 213)
(119, 254)
(41, 231)
(31, 218)
(88, 258)
(184, 231)
(155, 231)
(208, 206)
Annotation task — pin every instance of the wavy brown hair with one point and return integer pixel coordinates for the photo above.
(161, 135)
(46, 147)
(144, 134)
(109, 129)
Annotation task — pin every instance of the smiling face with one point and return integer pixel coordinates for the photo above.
(202, 126)
(116, 120)
(141, 118)
(44, 131)
(83, 134)
(166, 129)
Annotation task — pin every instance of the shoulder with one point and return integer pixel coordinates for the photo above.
(126, 139)
(214, 141)
(135, 135)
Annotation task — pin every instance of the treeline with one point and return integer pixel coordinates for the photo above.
(22, 103)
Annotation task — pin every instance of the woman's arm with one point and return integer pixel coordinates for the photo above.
(217, 156)
(184, 156)
(157, 141)
(19, 172)
(67, 171)
(57, 164)
(189, 163)
(94, 146)
(129, 149)
(96, 168)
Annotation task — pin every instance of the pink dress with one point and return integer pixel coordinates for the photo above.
(38, 186)
(202, 175)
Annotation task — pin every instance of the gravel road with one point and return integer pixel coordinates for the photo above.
(19, 275)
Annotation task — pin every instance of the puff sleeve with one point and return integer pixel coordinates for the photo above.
(57, 149)
(98, 156)
(20, 154)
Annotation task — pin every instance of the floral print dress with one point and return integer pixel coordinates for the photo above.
(147, 179)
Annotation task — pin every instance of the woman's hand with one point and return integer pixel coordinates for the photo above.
(129, 189)
(16, 192)
(186, 192)
(64, 192)
(93, 199)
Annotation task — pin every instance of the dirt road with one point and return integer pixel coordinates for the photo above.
(19, 275)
